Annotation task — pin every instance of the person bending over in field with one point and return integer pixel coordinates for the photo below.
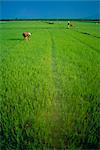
(26, 35)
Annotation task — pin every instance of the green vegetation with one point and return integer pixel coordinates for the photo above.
(49, 86)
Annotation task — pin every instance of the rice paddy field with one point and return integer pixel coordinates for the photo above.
(49, 86)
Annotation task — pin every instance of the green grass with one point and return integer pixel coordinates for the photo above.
(49, 86)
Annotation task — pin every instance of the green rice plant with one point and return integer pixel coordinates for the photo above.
(49, 86)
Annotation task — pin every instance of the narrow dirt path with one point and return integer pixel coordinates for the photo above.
(56, 76)
(56, 129)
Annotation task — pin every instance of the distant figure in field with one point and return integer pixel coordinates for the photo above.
(68, 24)
(26, 35)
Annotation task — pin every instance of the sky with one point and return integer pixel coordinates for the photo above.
(31, 9)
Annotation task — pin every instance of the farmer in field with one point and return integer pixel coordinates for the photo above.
(26, 35)
(68, 24)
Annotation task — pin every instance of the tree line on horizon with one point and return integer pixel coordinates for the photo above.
(49, 19)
